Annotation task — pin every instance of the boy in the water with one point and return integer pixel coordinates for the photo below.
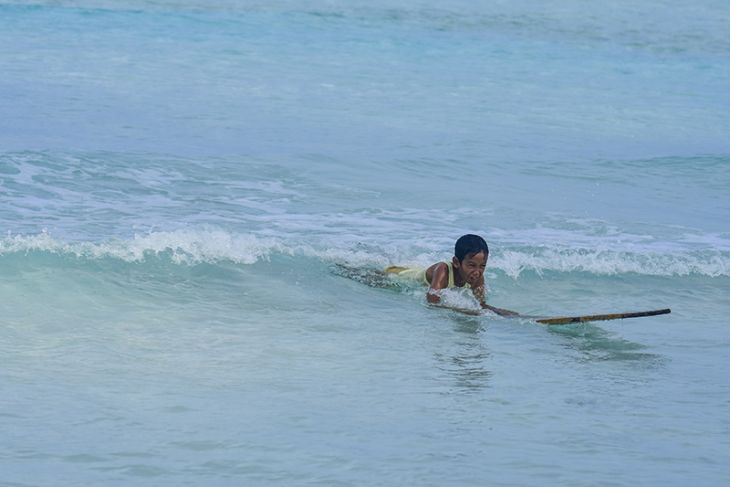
(466, 269)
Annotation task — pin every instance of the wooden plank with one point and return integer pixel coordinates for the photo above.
(564, 320)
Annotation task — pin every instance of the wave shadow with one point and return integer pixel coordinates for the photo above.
(593, 344)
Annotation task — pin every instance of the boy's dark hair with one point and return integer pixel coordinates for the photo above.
(470, 244)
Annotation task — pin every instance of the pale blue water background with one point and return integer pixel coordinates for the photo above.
(180, 179)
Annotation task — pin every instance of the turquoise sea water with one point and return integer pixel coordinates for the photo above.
(182, 182)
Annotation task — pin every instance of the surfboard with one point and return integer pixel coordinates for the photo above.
(564, 320)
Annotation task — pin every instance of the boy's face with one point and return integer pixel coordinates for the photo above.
(472, 267)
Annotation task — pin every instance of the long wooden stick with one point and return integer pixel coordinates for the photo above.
(614, 316)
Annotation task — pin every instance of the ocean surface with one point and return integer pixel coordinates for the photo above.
(193, 194)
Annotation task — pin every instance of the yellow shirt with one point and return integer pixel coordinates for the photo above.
(418, 274)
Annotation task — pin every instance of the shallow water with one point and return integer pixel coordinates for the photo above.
(182, 183)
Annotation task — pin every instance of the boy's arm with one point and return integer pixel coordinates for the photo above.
(500, 311)
(439, 281)
(480, 294)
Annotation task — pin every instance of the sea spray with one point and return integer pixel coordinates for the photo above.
(190, 247)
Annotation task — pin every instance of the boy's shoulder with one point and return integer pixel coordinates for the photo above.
(438, 274)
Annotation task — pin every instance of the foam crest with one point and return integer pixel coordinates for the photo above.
(182, 247)
(652, 258)
(602, 262)
(190, 247)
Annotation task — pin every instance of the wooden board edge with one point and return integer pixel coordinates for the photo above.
(565, 320)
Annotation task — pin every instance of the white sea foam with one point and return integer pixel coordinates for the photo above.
(190, 247)
(184, 247)
(459, 298)
(514, 263)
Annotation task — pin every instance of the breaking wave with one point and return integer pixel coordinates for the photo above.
(192, 247)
